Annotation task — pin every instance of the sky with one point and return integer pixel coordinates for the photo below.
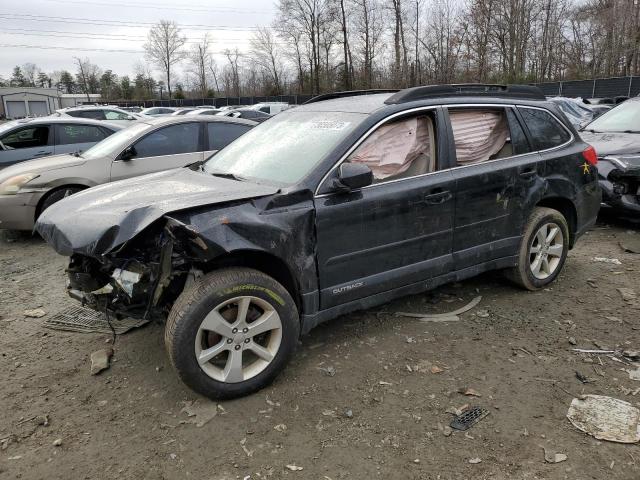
(111, 33)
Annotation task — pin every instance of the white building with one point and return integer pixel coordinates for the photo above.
(20, 102)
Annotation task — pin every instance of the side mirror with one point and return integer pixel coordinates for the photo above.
(129, 117)
(128, 153)
(352, 176)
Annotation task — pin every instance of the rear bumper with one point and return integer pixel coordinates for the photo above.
(17, 212)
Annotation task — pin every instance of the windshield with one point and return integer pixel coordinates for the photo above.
(114, 144)
(623, 118)
(286, 148)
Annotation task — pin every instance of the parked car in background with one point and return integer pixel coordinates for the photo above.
(271, 108)
(158, 111)
(616, 138)
(229, 107)
(335, 206)
(183, 110)
(248, 113)
(29, 138)
(110, 114)
(205, 111)
(578, 113)
(131, 109)
(29, 188)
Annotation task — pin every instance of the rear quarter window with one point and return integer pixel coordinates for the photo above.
(546, 132)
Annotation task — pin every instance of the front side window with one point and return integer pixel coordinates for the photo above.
(480, 135)
(113, 115)
(28, 137)
(286, 148)
(265, 109)
(399, 149)
(69, 134)
(546, 132)
(173, 140)
(222, 134)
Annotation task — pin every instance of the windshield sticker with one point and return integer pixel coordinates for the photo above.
(329, 125)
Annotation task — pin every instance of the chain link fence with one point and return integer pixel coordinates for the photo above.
(214, 102)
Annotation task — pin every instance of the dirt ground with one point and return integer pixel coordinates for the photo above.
(358, 401)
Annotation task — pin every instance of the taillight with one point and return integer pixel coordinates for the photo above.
(590, 155)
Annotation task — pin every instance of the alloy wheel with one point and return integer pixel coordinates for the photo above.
(545, 251)
(238, 339)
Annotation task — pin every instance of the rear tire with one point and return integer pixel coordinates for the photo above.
(232, 332)
(543, 249)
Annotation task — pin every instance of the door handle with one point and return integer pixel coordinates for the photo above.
(437, 198)
(528, 173)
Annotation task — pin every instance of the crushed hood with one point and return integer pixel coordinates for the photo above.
(612, 143)
(98, 220)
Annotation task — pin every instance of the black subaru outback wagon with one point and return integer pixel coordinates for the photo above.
(340, 204)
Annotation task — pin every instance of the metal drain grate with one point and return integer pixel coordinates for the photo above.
(468, 419)
(85, 320)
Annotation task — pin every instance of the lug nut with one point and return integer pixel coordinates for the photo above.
(235, 330)
(229, 340)
(245, 330)
(237, 347)
(247, 340)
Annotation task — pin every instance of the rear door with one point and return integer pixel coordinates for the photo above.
(163, 149)
(396, 232)
(495, 173)
(25, 143)
(75, 137)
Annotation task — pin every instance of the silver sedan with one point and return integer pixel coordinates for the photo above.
(28, 188)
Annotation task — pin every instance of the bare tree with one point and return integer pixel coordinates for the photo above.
(164, 47)
(201, 64)
(87, 76)
(265, 53)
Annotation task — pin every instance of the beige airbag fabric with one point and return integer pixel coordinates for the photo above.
(478, 134)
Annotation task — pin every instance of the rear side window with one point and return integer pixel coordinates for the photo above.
(266, 109)
(221, 134)
(94, 114)
(480, 135)
(519, 142)
(69, 134)
(546, 132)
(28, 137)
(173, 140)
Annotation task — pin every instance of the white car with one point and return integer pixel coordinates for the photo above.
(158, 111)
(111, 114)
(271, 108)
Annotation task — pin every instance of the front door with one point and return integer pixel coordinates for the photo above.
(395, 232)
(495, 172)
(168, 147)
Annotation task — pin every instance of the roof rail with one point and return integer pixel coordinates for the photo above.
(350, 93)
(529, 92)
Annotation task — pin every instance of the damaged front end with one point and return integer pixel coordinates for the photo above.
(620, 182)
(141, 279)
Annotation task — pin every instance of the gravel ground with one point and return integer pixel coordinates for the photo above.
(359, 399)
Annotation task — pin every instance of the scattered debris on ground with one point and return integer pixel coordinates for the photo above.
(606, 418)
(467, 419)
(35, 313)
(201, 413)
(612, 261)
(100, 360)
(553, 457)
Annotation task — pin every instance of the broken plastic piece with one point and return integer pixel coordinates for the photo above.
(442, 317)
(126, 279)
(469, 418)
(605, 418)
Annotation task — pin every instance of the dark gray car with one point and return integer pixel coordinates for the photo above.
(40, 137)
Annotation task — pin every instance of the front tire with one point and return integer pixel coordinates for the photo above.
(56, 196)
(232, 332)
(543, 249)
